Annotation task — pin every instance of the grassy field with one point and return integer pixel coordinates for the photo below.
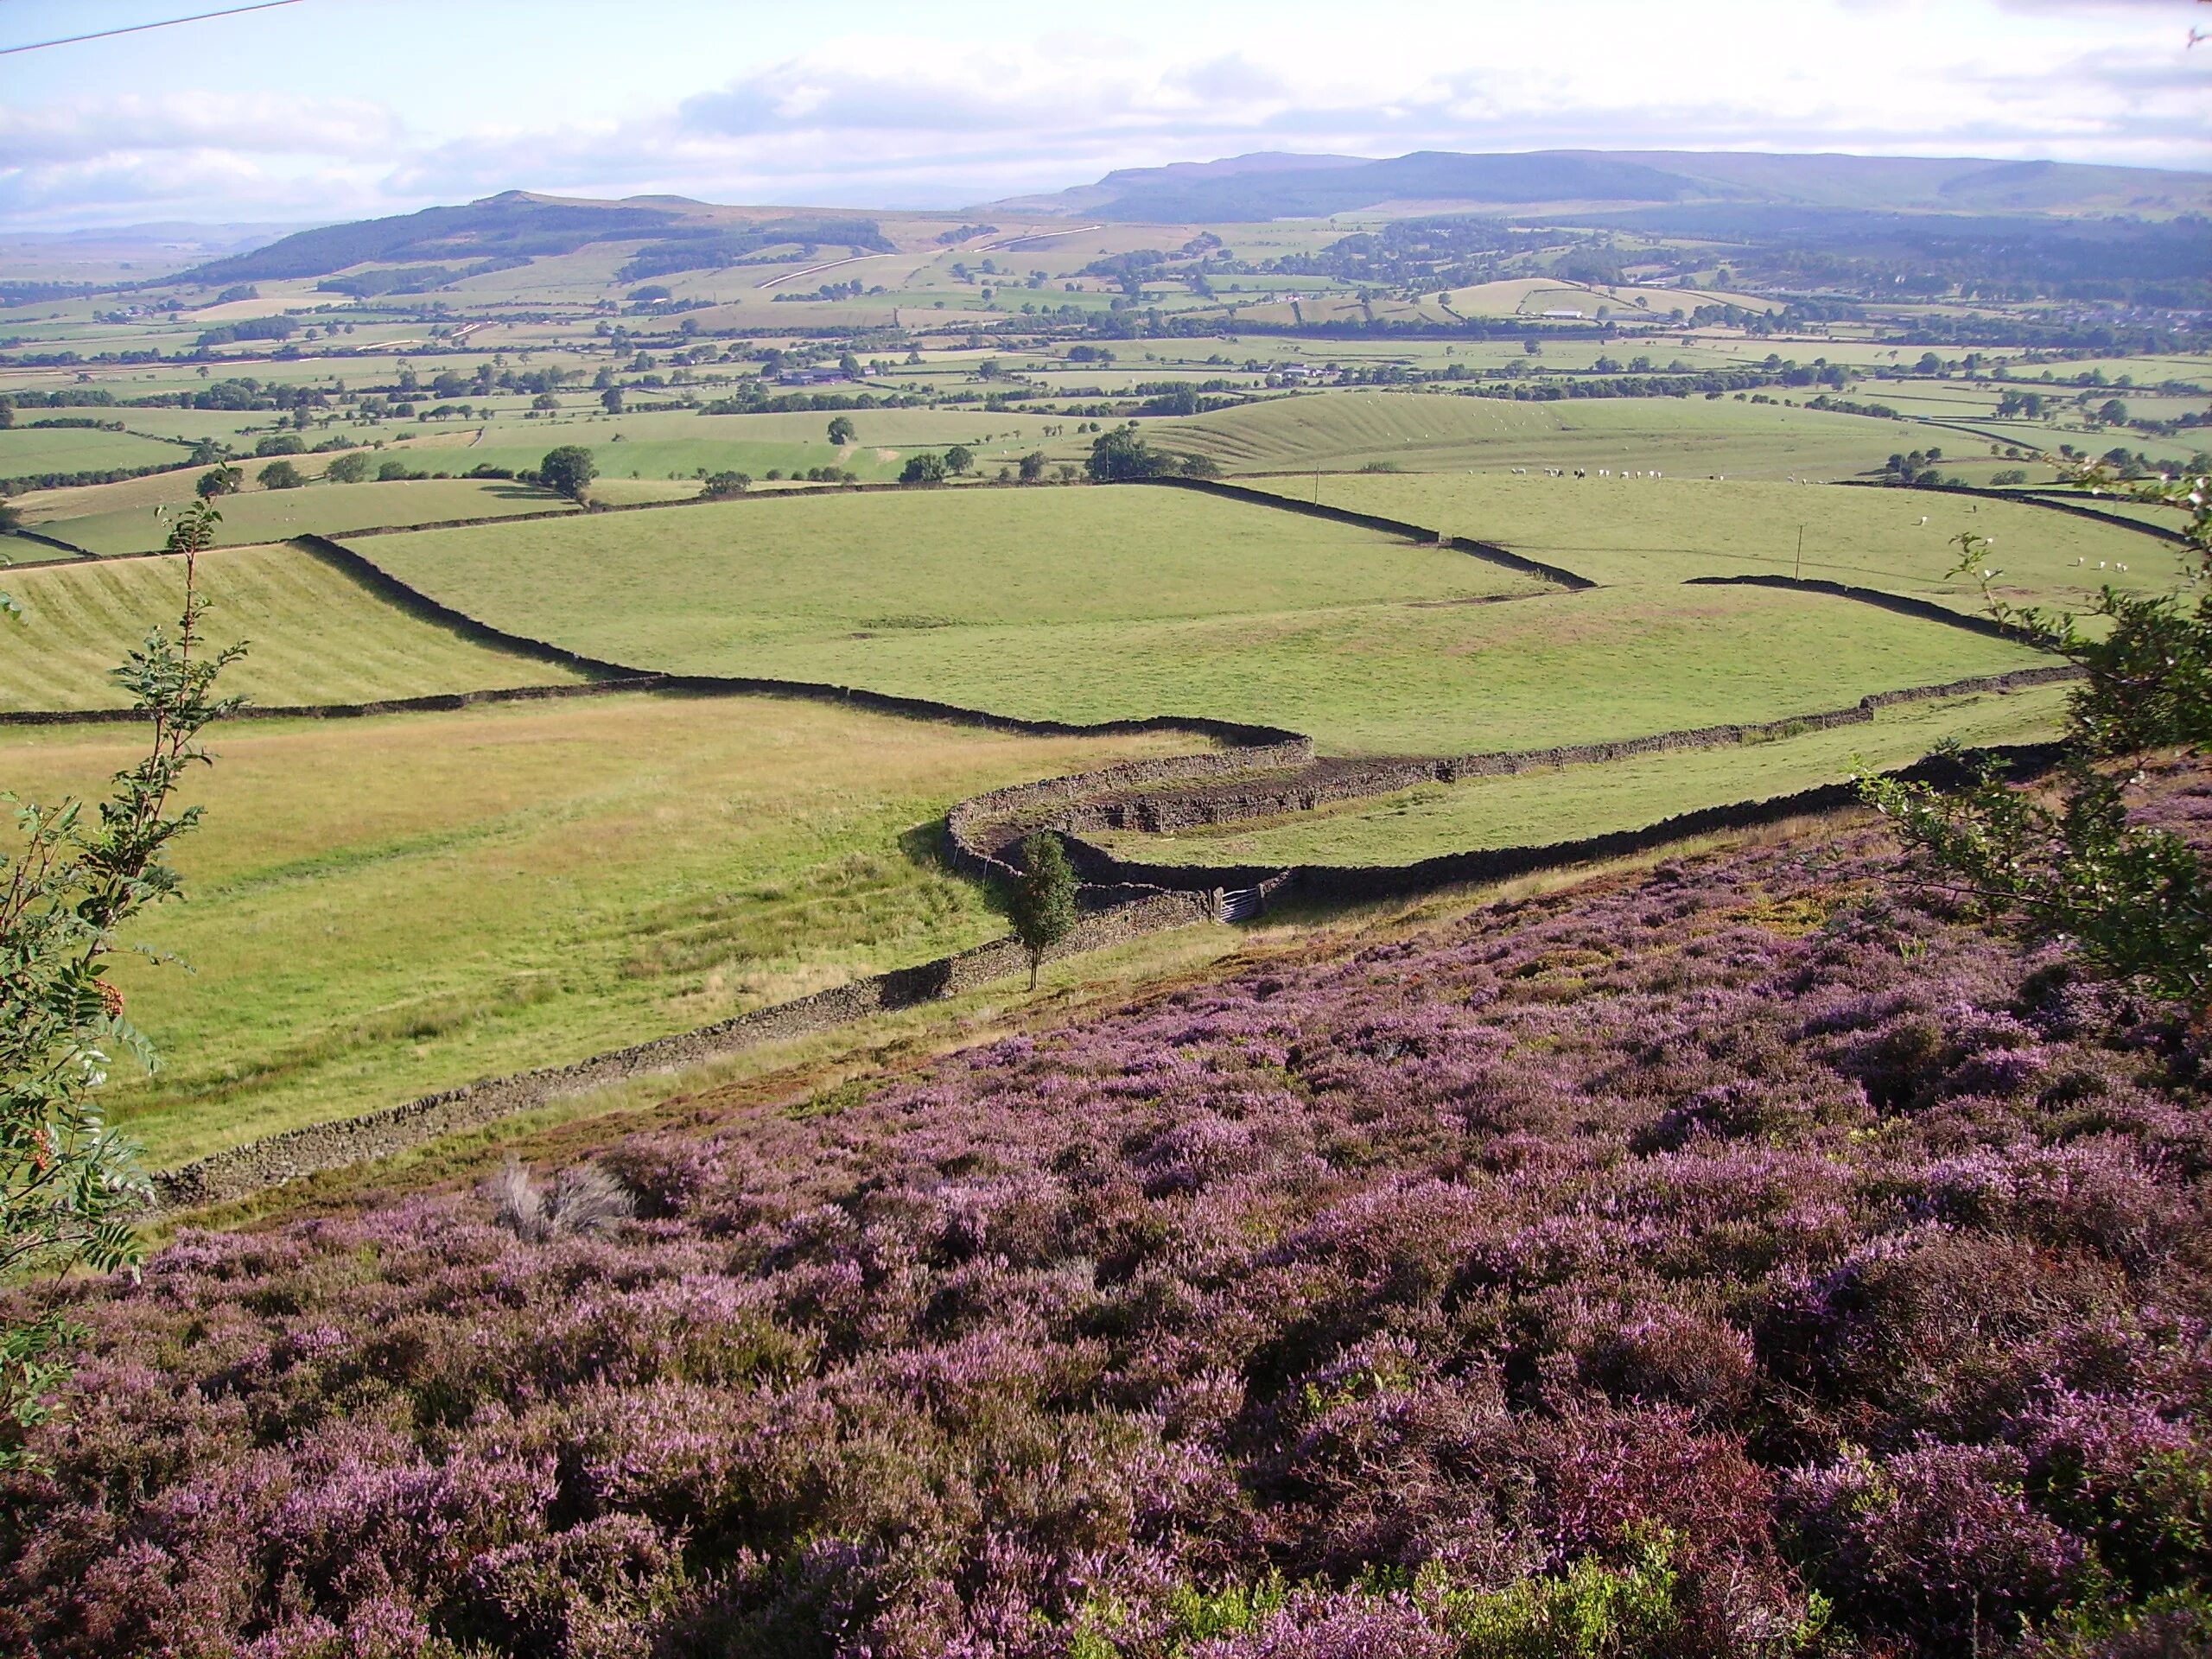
(1567, 803)
(315, 634)
(382, 907)
(723, 582)
(1423, 432)
(257, 516)
(26, 451)
(1666, 530)
(1095, 604)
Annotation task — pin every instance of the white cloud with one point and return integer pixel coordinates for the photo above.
(939, 121)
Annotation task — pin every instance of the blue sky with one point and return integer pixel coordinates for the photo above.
(334, 109)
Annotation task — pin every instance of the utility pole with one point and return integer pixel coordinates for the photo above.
(1317, 487)
(1801, 551)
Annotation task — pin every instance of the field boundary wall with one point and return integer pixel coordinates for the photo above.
(1488, 551)
(1335, 781)
(1365, 881)
(1903, 604)
(2030, 497)
(273, 1160)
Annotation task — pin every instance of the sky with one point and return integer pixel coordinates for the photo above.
(326, 109)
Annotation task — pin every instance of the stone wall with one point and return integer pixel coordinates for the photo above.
(2031, 496)
(296, 1153)
(1502, 863)
(1302, 791)
(1925, 610)
(1489, 551)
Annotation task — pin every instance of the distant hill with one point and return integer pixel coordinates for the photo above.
(515, 225)
(1277, 186)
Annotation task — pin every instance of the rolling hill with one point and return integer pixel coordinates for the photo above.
(1276, 186)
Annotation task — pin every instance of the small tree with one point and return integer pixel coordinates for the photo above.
(960, 460)
(349, 468)
(69, 1185)
(11, 518)
(568, 471)
(726, 483)
(928, 467)
(841, 431)
(282, 475)
(1044, 899)
(610, 400)
(223, 480)
(1032, 466)
(2068, 863)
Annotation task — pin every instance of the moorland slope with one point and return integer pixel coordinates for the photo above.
(1714, 1256)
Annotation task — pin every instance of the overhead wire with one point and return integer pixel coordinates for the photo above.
(140, 29)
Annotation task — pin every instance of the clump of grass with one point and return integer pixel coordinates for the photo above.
(582, 1202)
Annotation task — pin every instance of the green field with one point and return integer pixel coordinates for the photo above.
(382, 907)
(1343, 431)
(26, 451)
(658, 444)
(315, 634)
(1096, 604)
(257, 516)
(1569, 803)
(1667, 530)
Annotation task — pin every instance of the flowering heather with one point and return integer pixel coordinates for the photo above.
(1730, 1259)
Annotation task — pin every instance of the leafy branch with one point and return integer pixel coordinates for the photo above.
(70, 1187)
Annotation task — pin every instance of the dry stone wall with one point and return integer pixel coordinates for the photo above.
(1123, 899)
(279, 1158)
(1165, 812)
(1904, 605)
(1489, 551)
(1502, 863)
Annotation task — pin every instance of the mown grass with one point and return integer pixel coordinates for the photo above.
(1343, 431)
(1566, 803)
(26, 451)
(1667, 530)
(1090, 605)
(655, 445)
(314, 633)
(132, 525)
(382, 907)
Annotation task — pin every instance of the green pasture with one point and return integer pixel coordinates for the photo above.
(1569, 803)
(26, 451)
(658, 445)
(315, 635)
(727, 581)
(1344, 431)
(319, 508)
(1097, 604)
(1668, 530)
(382, 907)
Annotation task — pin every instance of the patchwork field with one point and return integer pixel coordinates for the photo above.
(382, 907)
(658, 445)
(320, 509)
(1099, 604)
(1570, 803)
(1667, 530)
(316, 635)
(1443, 432)
(28, 451)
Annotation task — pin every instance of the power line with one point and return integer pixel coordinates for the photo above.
(140, 29)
